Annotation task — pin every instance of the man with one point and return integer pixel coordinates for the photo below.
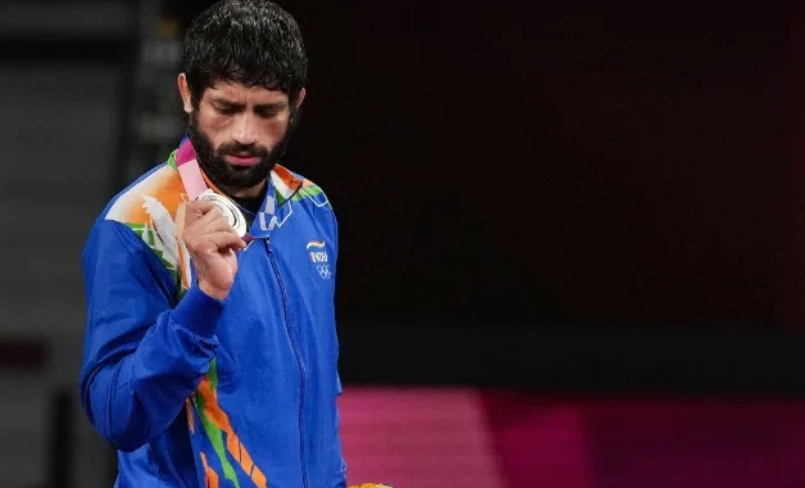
(210, 354)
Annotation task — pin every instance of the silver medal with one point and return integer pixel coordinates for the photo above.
(230, 211)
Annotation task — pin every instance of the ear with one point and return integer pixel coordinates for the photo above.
(184, 90)
(300, 98)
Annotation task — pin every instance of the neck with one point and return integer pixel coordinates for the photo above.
(252, 192)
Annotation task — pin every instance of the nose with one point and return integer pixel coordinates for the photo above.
(245, 130)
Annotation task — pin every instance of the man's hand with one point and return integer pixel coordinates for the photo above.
(212, 244)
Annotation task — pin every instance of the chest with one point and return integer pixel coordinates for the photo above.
(280, 318)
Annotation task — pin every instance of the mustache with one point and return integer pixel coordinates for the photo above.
(235, 149)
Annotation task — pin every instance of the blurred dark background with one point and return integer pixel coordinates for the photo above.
(559, 199)
(556, 163)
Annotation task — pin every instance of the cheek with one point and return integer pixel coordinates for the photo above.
(273, 131)
(215, 128)
(215, 124)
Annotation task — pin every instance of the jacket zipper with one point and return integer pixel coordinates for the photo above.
(298, 360)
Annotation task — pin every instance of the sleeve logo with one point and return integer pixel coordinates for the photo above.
(319, 258)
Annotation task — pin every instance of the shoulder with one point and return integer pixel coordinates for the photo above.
(148, 208)
(299, 189)
(310, 197)
(158, 192)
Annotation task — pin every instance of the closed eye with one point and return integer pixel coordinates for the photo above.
(269, 110)
(267, 113)
(227, 110)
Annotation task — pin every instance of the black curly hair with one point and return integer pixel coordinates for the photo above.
(254, 42)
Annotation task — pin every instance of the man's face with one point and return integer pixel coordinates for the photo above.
(239, 133)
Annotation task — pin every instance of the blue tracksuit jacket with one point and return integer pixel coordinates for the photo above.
(195, 392)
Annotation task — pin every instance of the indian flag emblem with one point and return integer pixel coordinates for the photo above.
(317, 251)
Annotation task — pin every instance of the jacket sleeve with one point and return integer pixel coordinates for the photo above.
(142, 357)
(342, 474)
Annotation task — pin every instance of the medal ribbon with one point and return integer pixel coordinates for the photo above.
(189, 170)
(193, 179)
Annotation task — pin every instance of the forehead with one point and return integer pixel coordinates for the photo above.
(235, 92)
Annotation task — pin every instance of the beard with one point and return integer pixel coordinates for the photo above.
(226, 175)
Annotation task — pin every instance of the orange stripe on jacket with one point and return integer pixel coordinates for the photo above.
(216, 414)
(210, 475)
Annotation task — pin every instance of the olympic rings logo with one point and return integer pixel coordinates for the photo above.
(324, 271)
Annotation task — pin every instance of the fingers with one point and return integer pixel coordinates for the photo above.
(203, 216)
(213, 222)
(225, 240)
(206, 230)
(214, 239)
(196, 210)
(209, 216)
